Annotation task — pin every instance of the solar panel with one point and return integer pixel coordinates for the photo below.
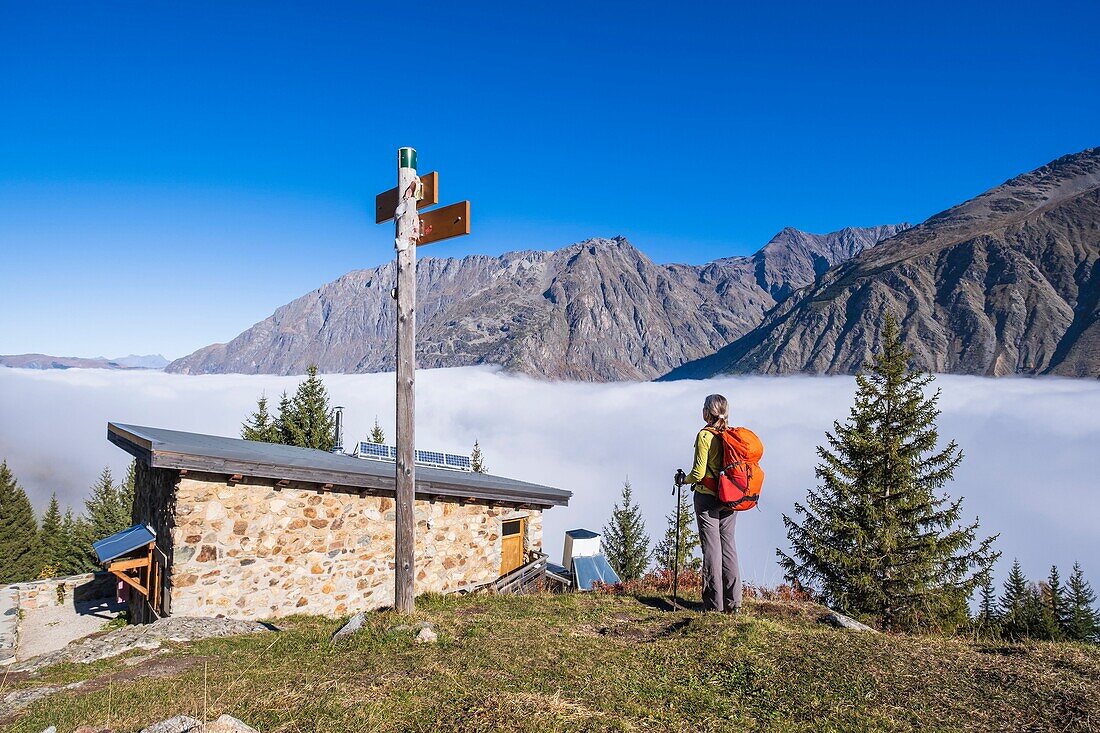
(374, 450)
(430, 456)
(439, 459)
(592, 569)
(462, 462)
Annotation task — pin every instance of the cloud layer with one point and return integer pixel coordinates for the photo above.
(1032, 468)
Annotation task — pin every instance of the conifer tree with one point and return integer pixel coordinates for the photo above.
(988, 611)
(19, 559)
(1017, 608)
(261, 426)
(477, 459)
(377, 435)
(107, 510)
(1040, 619)
(52, 543)
(1015, 589)
(308, 421)
(74, 558)
(1056, 601)
(625, 542)
(1083, 621)
(876, 538)
(280, 420)
(670, 555)
(126, 493)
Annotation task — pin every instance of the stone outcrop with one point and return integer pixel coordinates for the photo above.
(142, 636)
(253, 550)
(598, 310)
(1006, 283)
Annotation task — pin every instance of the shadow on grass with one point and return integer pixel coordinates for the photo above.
(664, 603)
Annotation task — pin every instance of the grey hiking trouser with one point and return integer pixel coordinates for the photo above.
(721, 573)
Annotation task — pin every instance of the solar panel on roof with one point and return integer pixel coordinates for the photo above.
(592, 569)
(439, 459)
(374, 450)
(121, 543)
(462, 462)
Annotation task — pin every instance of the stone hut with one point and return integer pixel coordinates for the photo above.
(254, 530)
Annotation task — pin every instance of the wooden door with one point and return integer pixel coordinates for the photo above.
(511, 545)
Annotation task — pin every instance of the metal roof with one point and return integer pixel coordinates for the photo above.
(121, 543)
(174, 449)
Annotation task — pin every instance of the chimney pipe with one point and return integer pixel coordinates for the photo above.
(339, 447)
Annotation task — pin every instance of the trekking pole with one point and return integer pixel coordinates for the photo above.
(676, 548)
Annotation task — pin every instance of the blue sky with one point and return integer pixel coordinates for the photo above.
(171, 173)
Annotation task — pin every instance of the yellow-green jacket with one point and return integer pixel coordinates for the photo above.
(708, 461)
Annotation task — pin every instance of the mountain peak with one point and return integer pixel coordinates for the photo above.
(596, 310)
(1004, 283)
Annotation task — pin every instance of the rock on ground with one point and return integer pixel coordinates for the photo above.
(148, 636)
(841, 621)
(178, 724)
(354, 624)
(426, 636)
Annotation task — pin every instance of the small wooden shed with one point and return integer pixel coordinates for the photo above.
(255, 530)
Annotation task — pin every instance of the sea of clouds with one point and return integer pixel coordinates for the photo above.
(1031, 472)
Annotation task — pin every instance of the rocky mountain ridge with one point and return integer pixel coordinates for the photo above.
(598, 310)
(1005, 283)
(45, 361)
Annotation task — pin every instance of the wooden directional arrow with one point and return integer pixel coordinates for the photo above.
(450, 221)
(385, 203)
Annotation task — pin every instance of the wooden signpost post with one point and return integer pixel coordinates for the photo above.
(401, 204)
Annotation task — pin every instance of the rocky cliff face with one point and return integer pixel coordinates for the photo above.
(598, 310)
(1006, 283)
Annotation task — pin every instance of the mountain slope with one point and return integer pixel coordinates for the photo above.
(598, 310)
(1006, 283)
(45, 361)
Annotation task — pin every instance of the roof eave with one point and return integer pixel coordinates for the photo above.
(425, 488)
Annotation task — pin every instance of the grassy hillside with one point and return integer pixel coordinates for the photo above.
(587, 662)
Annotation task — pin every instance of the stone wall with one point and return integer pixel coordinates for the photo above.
(252, 550)
(64, 591)
(155, 506)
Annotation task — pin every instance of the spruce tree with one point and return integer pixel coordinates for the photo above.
(74, 557)
(126, 493)
(876, 538)
(377, 435)
(477, 459)
(107, 510)
(19, 559)
(1082, 619)
(308, 421)
(261, 426)
(52, 543)
(988, 610)
(670, 555)
(1040, 620)
(625, 542)
(1056, 601)
(280, 420)
(1015, 608)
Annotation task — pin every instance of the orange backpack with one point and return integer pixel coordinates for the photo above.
(741, 478)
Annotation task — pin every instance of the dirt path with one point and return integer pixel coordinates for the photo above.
(48, 629)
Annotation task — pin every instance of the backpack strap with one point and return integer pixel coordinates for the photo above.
(711, 482)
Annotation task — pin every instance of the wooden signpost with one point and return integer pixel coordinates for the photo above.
(401, 204)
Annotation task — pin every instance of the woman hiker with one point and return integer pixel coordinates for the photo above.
(721, 573)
